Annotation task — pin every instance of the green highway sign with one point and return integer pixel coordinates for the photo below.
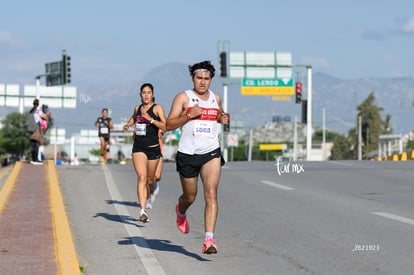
(267, 86)
(266, 82)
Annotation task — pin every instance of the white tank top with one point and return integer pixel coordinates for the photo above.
(199, 135)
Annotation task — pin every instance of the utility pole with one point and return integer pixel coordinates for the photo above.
(38, 87)
(309, 115)
(323, 131)
(295, 140)
(223, 50)
(249, 157)
(309, 111)
(223, 134)
(359, 138)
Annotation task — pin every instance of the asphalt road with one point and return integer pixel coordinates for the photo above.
(351, 217)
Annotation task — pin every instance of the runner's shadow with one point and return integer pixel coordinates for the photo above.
(161, 245)
(127, 203)
(117, 218)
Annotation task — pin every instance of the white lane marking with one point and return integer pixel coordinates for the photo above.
(142, 248)
(394, 217)
(280, 186)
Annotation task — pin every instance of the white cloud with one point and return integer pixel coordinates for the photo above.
(409, 25)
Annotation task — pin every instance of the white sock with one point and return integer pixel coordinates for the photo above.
(209, 235)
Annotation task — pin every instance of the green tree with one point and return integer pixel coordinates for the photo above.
(14, 138)
(372, 127)
(372, 124)
(239, 152)
(95, 152)
(329, 136)
(341, 148)
(410, 145)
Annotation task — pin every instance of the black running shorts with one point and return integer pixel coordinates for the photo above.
(152, 153)
(189, 166)
(105, 137)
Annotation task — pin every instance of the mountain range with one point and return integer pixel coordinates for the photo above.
(337, 97)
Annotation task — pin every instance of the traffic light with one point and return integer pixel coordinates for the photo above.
(364, 130)
(66, 69)
(298, 92)
(223, 64)
(304, 111)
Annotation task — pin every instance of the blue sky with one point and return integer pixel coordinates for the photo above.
(119, 41)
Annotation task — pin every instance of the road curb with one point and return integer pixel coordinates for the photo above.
(9, 184)
(65, 250)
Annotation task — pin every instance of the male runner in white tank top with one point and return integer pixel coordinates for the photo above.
(198, 111)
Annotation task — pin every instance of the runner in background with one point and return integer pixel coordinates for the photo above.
(148, 118)
(104, 125)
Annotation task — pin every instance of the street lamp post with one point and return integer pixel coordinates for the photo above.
(225, 109)
(308, 111)
(309, 115)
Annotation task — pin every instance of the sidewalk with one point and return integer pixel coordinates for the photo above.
(35, 237)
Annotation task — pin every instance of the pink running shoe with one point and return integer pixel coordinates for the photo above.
(182, 222)
(209, 246)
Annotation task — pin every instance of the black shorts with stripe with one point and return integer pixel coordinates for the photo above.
(189, 166)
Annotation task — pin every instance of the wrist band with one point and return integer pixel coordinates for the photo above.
(152, 121)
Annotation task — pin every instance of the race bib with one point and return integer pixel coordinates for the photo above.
(204, 128)
(140, 129)
(104, 131)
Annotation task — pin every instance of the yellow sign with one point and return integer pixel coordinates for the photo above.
(272, 147)
(267, 90)
(280, 97)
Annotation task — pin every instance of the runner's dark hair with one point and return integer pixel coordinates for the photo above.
(205, 65)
